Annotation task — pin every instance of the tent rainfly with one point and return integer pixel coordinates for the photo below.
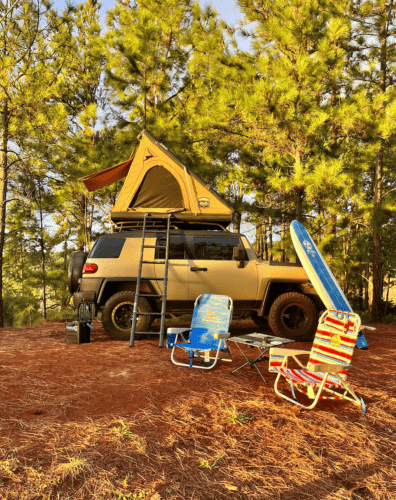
(158, 183)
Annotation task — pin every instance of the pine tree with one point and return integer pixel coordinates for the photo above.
(371, 71)
(147, 53)
(32, 37)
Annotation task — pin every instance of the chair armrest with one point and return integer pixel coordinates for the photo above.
(365, 327)
(279, 357)
(330, 368)
(222, 335)
(280, 351)
(177, 330)
(172, 335)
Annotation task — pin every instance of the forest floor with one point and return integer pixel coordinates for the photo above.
(105, 421)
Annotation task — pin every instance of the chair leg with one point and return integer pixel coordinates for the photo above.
(294, 401)
(206, 358)
(356, 399)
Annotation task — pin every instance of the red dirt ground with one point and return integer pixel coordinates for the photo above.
(46, 384)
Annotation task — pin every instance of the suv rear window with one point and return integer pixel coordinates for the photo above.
(214, 247)
(107, 248)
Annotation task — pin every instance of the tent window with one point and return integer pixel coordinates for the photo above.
(159, 189)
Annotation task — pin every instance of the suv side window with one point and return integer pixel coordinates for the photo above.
(107, 248)
(215, 247)
(177, 247)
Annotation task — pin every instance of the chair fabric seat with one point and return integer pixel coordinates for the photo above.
(307, 377)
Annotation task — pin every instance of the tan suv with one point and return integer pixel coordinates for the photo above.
(201, 261)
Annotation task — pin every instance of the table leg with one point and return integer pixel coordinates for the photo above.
(252, 363)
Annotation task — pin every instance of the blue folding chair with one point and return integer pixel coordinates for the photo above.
(209, 329)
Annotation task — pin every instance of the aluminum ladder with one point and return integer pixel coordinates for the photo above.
(142, 261)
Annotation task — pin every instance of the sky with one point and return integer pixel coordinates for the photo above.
(227, 9)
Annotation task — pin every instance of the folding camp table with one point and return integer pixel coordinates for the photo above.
(260, 341)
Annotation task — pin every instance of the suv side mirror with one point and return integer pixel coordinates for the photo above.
(239, 255)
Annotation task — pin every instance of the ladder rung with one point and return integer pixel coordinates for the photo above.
(149, 314)
(151, 295)
(147, 278)
(153, 246)
(156, 231)
(153, 262)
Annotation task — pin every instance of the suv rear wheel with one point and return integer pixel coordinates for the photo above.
(294, 316)
(117, 315)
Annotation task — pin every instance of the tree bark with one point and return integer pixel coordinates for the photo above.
(237, 222)
(299, 200)
(3, 194)
(42, 249)
(282, 241)
(375, 303)
(366, 287)
(270, 239)
(82, 224)
(265, 242)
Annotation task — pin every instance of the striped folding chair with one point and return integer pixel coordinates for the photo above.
(325, 376)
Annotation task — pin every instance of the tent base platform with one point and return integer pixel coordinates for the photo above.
(125, 220)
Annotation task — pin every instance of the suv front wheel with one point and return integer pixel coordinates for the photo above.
(294, 316)
(117, 315)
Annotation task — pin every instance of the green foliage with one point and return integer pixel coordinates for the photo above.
(301, 126)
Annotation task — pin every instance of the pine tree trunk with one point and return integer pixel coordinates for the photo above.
(270, 239)
(42, 249)
(3, 195)
(282, 242)
(366, 287)
(265, 243)
(82, 228)
(299, 200)
(375, 305)
(387, 295)
(360, 295)
(237, 222)
(258, 238)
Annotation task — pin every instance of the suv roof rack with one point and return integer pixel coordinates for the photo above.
(134, 225)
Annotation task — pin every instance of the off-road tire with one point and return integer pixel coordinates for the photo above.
(260, 321)
(294, 316)
(76, 265)
(117, 315)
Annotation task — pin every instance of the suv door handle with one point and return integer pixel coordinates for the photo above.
(198, 269)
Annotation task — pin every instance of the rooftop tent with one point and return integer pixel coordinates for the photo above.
(158, 182)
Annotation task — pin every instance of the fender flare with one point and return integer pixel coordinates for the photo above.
(121, 280)
(270, 282)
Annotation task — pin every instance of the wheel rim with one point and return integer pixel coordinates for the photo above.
(122, 316)
(294, 317)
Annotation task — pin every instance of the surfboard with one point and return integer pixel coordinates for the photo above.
(320, 274)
